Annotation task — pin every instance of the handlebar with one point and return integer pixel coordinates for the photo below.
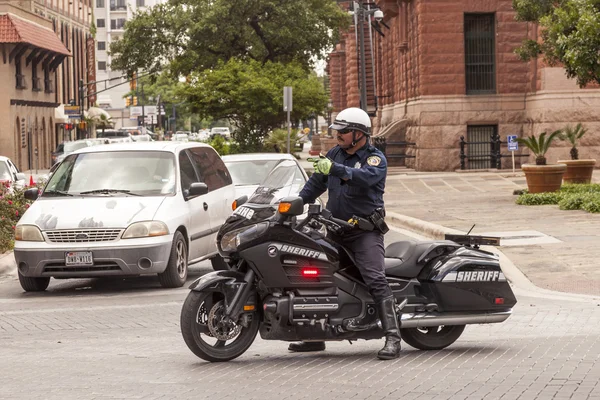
(335, 224)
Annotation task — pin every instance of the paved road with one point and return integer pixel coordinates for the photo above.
(90, 339)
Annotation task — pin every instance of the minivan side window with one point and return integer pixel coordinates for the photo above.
(186, 171)
(213, 170)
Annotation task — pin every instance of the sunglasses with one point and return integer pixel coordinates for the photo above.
(344, 131)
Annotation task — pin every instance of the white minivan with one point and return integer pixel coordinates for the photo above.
(125, 209)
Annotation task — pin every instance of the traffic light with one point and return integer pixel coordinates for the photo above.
(135, 101)
(127, 101)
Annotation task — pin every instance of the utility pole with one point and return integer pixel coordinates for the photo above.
(143, 110)
(360, 25)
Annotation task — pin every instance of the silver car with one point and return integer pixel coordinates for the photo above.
(125, 209)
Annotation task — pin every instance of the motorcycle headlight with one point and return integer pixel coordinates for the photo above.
(145, 229)
(28, 233)
(231, 240)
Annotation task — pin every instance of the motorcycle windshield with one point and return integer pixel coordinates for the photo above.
(284, 180)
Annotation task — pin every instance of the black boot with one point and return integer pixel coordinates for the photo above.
(389, 322)
(301, 347)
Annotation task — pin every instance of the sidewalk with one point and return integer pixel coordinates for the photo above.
(555, 249)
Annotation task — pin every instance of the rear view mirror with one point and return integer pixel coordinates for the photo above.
(238, 202)
(197, 189)
(31, 194)
(291, 206)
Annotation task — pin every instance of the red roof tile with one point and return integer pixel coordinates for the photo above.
(16, 30)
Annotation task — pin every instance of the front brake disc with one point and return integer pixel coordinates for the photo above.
(219, 325)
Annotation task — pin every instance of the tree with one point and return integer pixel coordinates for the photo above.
(570, 35)
(250, 94)
(194, 35)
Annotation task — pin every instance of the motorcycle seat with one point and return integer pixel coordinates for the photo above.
(401, 258)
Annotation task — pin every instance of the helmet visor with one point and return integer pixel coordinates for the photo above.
(340, 126)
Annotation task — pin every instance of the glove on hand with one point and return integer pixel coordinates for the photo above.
(322, 164)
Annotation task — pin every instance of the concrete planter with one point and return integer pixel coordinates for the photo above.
(578, 171)
(544, 178)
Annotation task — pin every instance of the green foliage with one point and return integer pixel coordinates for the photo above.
(249, 94)
(569, 197)
(570, 35)
(277, 141)
(221, 145)
(572, 135)
(12, 206)
(539, 145)
(194, 35)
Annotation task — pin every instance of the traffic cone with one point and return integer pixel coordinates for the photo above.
(31, 183)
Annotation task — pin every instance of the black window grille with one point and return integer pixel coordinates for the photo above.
(480, 148)
(480, 58)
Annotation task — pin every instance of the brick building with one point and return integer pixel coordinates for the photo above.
(447, 69)
(46, 50)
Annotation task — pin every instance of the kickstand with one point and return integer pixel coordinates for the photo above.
(350, 341)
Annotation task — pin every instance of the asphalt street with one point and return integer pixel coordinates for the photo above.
(120, 339)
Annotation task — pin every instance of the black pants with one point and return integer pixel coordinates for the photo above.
(369, 254)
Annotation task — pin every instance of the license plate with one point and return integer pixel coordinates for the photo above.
(79, 258)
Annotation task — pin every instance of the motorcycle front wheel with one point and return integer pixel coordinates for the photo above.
(208, 334)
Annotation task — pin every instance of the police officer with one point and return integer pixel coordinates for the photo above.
(354, 172)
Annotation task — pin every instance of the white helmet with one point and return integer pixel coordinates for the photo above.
(352, 119)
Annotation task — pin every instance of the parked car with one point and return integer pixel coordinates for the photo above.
(248, 171)
(114, 136)
(180, 137)
(223, 131)
(155, 209)
(138, 133)
(10, 174)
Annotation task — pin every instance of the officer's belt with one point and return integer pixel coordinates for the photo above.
(361, 223)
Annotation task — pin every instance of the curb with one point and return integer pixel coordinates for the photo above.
(7, 263)
(515, 276)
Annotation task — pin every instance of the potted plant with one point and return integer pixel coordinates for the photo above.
(578, 171)
(540, 176)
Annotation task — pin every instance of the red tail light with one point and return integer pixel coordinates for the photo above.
(310, 272)
(499, 301)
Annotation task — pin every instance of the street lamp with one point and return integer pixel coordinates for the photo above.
(361, 13)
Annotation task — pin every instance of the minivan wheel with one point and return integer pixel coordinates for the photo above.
(219, 264)
(176, 272)
(30, 284)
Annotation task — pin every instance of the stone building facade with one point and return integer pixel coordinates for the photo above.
(45, 53)
(447, 69)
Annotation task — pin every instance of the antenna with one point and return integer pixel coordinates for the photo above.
(470, 229)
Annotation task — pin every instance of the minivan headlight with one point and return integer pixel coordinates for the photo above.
(145, 229)
(231, 240)
(28, 233)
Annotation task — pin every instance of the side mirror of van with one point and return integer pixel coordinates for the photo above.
(197, 189)
(31, 194)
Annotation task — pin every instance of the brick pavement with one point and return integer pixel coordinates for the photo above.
(84, 346)
(459, 200)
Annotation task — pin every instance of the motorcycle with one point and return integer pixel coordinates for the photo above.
(289, 282)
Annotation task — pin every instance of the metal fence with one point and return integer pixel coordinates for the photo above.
(383, 145)
(482, 149)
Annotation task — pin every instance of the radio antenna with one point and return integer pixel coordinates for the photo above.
(470, 229)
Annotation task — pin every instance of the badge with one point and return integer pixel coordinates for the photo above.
(357, 165)
(373, 161)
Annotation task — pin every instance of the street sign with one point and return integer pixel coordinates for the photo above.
(513, 145)
(287, 98)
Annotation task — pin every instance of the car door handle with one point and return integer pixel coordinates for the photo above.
(205, 206)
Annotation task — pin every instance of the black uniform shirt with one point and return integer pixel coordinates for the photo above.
(356, 182)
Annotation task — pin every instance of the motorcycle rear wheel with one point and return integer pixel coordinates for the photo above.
(198, 310)
(432, 338)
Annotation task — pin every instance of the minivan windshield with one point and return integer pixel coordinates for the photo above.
(139, 173)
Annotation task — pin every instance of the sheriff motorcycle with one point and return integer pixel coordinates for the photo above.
(289, 282)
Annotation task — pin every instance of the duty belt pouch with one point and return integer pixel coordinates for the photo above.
(379, 221)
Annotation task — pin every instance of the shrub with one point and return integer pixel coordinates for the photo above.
(277, 141)
(569, 197)
(12, 206)
(220, 145)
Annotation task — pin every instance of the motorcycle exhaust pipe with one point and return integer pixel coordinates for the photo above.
(424, 320)
(418, 320)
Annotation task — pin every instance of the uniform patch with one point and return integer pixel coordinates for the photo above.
(374, 161)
